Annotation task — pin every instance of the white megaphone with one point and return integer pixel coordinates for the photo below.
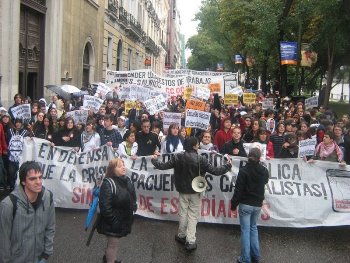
(199, 184)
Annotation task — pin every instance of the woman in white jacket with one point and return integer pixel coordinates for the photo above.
(128, 147)
(172, 142)
(90, 140)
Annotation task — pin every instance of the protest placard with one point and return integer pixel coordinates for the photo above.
(187, 93)
(311, 102)
(79, 116)
(231, 99)
(139, 93)
(215, 87)
(92, 103)
(307, 147)
(249, 98)
(22, 111)
(202, 92)
(236, 90)
(197, 119)
(130, 104)
(169, 118)
(156, 104)
(195, 105)
(102, 90)
(267, 103)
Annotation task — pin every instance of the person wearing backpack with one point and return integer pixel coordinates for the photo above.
(117, 202)
(27, 221)
(15, 146)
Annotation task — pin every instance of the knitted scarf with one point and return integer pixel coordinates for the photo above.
(326, 150)
(172, 140)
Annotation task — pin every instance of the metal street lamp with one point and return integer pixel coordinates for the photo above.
(342, 85)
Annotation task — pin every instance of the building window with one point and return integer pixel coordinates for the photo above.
(109, 52)
(119, 56)
(129, 59)
(137, 60)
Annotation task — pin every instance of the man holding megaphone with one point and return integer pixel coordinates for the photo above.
(188, 166)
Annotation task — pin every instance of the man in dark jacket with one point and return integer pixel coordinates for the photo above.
(188, 165)
(235, 146)
(249, 195)
(147, 141)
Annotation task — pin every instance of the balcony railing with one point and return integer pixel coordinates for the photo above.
(113, 6)
(151, 46)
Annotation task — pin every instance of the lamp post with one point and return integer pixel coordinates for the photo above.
(342, 85)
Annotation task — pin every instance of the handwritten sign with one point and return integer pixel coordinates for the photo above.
(156, 104)
(197, 119)
(215, 87)
(22, 111)
(230, 99)
(92, 103)
(311, 102)
(307, 147)
(267, 103)
(249, 98)
(79, 116)
(195, 105)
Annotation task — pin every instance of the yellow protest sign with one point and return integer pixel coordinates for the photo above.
(249, 98)
(230, 99)
(195, 105)
(187, 93)
(129, 104)
(215, 87)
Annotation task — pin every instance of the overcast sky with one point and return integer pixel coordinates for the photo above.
(188, 8)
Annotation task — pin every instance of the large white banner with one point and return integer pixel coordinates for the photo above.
(298, 194)
(147, 78)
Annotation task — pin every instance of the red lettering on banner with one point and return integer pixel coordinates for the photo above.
(163, 206)
(145, 203)
(174, 205)
(221, 209)
(82, 194)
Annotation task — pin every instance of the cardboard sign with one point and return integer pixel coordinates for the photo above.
(156, 104)
(22, 111)
(267, 103)
(197, 119)
(307, 147)
(202, 92)
(187, 93)
(311, 102)
(79, 116)
(231, 99)
(92, 103)
(130, 104)
(195, 105)
(215, 87)
(169, 118)
(249, 98)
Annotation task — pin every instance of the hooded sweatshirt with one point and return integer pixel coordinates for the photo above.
(221, 137)
(28, 236)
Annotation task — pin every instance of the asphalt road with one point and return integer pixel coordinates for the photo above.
(153, 241)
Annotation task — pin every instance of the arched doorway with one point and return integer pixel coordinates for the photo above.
(31, 49)
(88, 65)
(119, 65)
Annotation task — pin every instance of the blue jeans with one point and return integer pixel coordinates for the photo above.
(250, 250)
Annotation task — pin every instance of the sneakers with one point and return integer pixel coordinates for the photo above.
(181, 240)
(190, 247)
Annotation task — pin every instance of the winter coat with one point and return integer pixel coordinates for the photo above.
(221, 137)
(29, 235)
(186, 167)
(231, 145)
(250, 185)
(117, 207)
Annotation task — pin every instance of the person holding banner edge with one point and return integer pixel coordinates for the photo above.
(188, 165)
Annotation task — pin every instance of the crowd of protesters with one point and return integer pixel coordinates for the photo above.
(137, 133)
